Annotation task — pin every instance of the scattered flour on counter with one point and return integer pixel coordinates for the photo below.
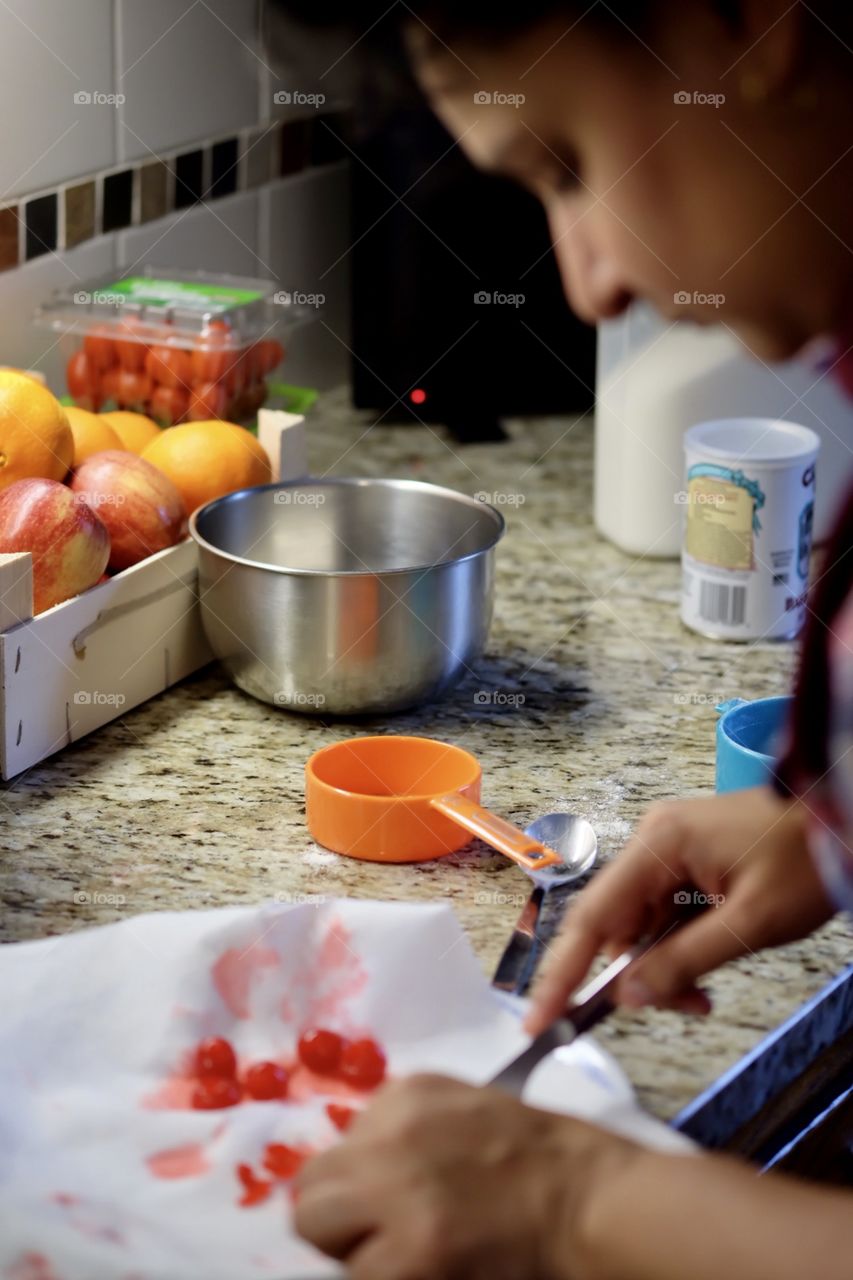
(319, 858)
(601, 810)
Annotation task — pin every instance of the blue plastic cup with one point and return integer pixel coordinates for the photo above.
(749, 740)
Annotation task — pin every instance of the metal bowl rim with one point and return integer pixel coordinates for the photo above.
(347, 482)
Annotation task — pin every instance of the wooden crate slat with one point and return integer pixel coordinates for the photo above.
(78, 666)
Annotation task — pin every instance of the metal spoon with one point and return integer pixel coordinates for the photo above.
(576, 842)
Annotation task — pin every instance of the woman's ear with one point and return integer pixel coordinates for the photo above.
(771, 34)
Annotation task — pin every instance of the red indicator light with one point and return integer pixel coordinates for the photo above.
(418, 396)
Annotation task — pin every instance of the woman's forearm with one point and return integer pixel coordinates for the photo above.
(711, 1218)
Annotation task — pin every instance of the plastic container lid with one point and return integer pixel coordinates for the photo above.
(766, 440)
(173, 308)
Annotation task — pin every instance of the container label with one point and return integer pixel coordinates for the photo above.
(193, 297)
(804, 541)
(720, 521)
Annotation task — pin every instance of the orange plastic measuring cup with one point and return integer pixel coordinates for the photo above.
(404, 799)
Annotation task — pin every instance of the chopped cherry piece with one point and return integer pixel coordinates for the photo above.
(340, 1116)
(257, 1193)
(212, 1093)
(215, 1057)
(265, 1081)
(255, 1190)
(321, 1051)
(363, 1064)
(282, 1161)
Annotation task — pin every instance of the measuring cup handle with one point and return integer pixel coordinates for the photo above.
(496, 831)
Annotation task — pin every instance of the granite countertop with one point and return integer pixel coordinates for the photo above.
(599, 703)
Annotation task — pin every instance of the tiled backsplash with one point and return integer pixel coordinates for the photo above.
(157, 130)
(153, 188)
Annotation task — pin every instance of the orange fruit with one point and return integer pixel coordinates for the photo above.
(134, 430)
(208, 459)
(91, 434)
(35, 438)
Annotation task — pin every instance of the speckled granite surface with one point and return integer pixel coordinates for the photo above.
(195, 799)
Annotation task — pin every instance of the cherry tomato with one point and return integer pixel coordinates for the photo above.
(340, 1116)
(265, 1081)
(81, 375)
(212, 1093)
(109, 384)
(251, 360)
(282, 1161)
(321, 1051)
(213, 358)
(236, 377)
(208, 400)
(131, 355)
(101, 351)
(215, 1057)
(132, 389)
(169, 366)
(363, 1064)
(253, 398)
(168, 404)
(270, 353)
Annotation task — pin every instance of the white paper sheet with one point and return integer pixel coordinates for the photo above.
(96, 1030)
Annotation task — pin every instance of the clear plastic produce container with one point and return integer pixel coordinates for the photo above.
(171, 344)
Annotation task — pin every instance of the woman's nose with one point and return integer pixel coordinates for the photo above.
(592, 281)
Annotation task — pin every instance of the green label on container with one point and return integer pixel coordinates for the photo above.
(194, 297)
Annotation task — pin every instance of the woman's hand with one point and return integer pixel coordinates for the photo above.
(442, 1181)
(744, 854)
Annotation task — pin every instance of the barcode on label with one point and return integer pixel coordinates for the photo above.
(719, 602)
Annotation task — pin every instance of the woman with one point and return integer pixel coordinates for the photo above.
(651, 189)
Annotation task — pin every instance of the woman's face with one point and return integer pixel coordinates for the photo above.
(703, 170)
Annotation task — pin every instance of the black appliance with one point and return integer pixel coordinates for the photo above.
(458, 312)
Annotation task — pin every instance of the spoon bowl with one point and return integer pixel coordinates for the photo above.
(573, 838)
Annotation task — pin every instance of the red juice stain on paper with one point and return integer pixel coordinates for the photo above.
(174, 1094)
(31, 1266)
(304, 1085)
(334, 976)
(176, 1091)
(234, 972)
(188, 1161)
(93, 1230)
(65, 1198)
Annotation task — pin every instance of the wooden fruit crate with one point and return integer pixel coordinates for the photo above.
(81, 664)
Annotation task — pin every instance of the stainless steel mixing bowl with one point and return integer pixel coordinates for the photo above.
(341, 597)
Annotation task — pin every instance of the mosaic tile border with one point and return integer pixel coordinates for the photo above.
(134, 194)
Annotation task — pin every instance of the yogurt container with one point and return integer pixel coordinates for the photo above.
(749, 506)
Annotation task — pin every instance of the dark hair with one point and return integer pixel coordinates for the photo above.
(373, 32)
(808, 757)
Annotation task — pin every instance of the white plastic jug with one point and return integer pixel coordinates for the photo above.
(656, 379)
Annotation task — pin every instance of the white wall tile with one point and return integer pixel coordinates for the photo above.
(316, 357)
(53, 49)
(23, 289)
(189, 70)
(219, 236)
(305, 235)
